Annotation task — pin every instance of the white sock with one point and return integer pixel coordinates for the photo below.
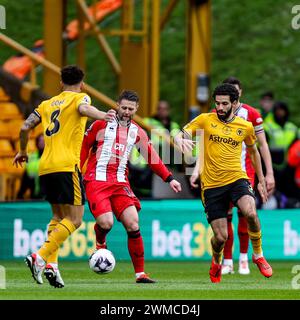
(228, 262)
(40, 260)
(243, 257)
(137, 275)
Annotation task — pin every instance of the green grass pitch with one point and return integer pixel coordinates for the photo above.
(176, 280)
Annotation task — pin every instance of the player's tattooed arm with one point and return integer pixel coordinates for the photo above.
(32, 121)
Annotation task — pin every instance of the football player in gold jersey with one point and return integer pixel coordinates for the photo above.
(63, 119)
(222, 178)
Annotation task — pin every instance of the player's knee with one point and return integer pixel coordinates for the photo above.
(251, 215)
(107, 225)
(132, 226)
(221, 237)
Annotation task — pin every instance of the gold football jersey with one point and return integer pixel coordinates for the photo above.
(222, 148)
(63, 129)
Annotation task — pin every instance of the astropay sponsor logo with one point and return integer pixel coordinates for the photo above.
(25, 241)
(291, 239)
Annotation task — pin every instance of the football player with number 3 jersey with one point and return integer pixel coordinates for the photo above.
(63, 119)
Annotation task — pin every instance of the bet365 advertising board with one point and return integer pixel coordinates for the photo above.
(171, 229)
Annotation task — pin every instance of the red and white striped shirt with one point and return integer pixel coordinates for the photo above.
(108, 145)
(252, 115)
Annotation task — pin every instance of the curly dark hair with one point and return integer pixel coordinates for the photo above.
(226, 89)
(129, 95)
(71, 75)
(234, 81)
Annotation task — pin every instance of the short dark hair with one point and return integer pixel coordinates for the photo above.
(129, 95)
(71, 75)
(226, 89)
(267, 94)
(233, 81)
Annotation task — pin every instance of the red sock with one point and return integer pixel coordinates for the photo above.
(243, 234)
(100, 234)
(229, 243)
(136, 250)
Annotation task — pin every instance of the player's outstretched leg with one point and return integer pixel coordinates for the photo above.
(53, 276)
(36, 265)
(136, 251)
(101, 236)
(258, 258)
(247, 206)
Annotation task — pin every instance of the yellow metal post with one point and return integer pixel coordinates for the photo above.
(53, 30)
(100, 38)
(135, 58)
(198, 55)
(127, 17)
(167, 12)
(81, 38)
(154, 56)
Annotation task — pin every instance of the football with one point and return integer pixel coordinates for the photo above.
(102, 261)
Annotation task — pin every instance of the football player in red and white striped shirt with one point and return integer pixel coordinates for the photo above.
(107, 146)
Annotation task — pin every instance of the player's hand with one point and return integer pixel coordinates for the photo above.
(194, 179)
(262, 189)
(270, 183)
(185, 145)
(110, 115)
(20, 158)
(175, 186)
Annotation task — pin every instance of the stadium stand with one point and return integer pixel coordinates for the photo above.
(10, 122)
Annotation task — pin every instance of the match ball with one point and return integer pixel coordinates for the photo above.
(102, 261)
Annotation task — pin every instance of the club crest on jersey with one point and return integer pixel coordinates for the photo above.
(86, 100)
(226, 130)
(240, 132)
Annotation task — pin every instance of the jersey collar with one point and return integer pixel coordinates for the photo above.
(238, 109)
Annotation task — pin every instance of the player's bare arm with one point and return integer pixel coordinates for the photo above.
(256, 162)
(184, 142)
(93, 113)
(32, 121)
(265, 153)
(195, 175)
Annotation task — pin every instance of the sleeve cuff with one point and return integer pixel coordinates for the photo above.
(169, 179)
